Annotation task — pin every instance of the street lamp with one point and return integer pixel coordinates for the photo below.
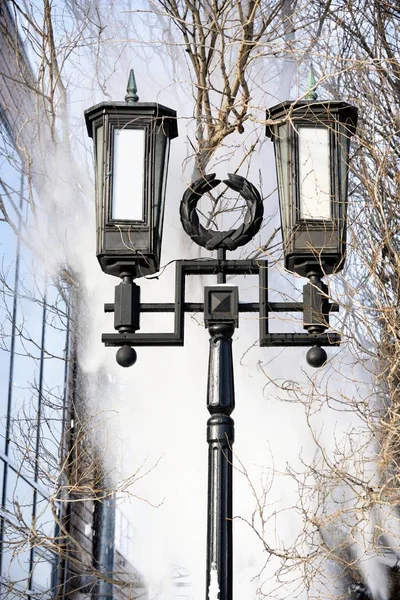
(131, 142)
(311, 141)
(131, 145)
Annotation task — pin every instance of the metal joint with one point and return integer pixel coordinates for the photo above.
(220, 429)
(221, 307)
(316, 306)
(127, 306)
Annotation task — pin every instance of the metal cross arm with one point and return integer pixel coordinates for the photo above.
(127, 325)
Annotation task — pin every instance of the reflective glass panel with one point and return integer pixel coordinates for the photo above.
(42, 573)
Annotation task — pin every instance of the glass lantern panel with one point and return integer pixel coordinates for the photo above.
(282, 149)
(314, 173)
(128, 175)
(164, 181)
(99, 162)
(344, 144)
(161, 169)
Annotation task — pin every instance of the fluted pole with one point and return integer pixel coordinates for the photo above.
(220, 437)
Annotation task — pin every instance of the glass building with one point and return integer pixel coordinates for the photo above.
(54, 540)
(34, 367)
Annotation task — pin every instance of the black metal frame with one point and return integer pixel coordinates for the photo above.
(180, 306)
(116, 123)
(221, 388)
(123, 244)
(307, 240)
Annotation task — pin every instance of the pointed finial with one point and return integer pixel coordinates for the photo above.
(131, 91)
(311, 91)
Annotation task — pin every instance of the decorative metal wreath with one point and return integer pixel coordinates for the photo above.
(227, 240)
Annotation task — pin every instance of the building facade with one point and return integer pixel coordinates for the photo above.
(34, 365)
(58, 533)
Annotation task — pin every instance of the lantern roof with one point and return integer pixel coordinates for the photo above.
(298, 110)
(131, 107)
(143, 109)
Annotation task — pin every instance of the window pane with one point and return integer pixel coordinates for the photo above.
(19, 499)
(32, 280)
(45, 523)
(8, 247)
(51, 430)
(24, 412)
(42, 573)
(26, 365)
(11, 177)
(16, 548)
(15, 559)
(53, 384)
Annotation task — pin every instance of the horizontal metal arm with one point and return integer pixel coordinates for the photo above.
(142, 339)
(300, 339)
(198, 307)
(269, 339)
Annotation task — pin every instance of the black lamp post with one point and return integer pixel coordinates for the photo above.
(131, 142)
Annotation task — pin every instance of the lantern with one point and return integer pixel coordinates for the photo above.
(311, 141)
(131, 147)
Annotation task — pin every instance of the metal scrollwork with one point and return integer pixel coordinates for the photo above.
(210, 238)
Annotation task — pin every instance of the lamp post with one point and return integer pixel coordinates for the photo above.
(131, 142)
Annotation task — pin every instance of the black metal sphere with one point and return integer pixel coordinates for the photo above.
(126, 356)
(316, 356)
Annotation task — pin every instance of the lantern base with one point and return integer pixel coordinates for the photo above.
(137, 266)
(303, 265)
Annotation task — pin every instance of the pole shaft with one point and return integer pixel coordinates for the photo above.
(221, 257)
(220, 437)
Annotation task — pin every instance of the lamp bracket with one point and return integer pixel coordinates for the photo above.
(126, 306)
(263, 307)
(316, 305)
